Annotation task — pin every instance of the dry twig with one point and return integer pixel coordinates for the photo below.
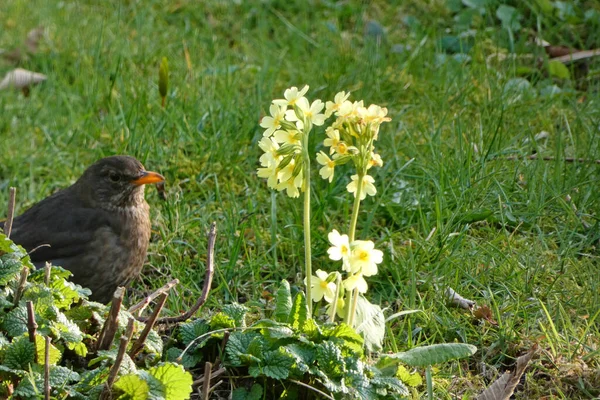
(114, 370)
(21, 287)
(206, 384)
(31, 325)
(139, 343)
(148, 299)
(213, 375)
(47, 369)
(107, 334)
(210, 270)
(47, 270)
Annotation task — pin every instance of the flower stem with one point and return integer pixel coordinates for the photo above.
(352, 295)
(307, 250)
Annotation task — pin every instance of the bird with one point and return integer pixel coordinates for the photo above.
(98, 228)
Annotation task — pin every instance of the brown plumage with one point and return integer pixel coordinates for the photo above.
(98, 228)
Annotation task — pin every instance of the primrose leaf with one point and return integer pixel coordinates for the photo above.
(347, 337)
(299, 312)
(237, 312)
(238, 345)
(283, 302)
(330, 359)
(221, 321)
(277, 364)
(19, 354)
(434, 354)
(370, 323)
(190, 331)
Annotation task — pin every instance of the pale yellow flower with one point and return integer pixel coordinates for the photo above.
(333, 106)
(365, 257)
(374, 114)
(333, 138)
(368, 187)
(292, 95)
(270, 147)
(270, 172)
(349, 109)
(340, 249)
(286, 172)
(320, 288)
(310, 112)
(287, 137)
(291, 185)
(272, 123)
(356, 281)
(375, 161)
(328, 164)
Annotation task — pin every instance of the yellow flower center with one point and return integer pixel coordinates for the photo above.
(363, 255)
(331, 163)
(341, 148)
(323, 284)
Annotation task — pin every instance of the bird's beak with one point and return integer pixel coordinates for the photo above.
(148, 177)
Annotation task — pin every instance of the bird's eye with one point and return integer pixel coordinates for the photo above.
(114, 177)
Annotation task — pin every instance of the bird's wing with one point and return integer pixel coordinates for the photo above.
(61, 222)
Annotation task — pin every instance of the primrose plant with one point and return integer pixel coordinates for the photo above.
(350, 138)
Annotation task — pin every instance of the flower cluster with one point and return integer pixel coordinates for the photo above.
(286, 131)
(350, 138)
(359, 259)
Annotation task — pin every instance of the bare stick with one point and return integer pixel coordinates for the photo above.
(139, 343)
(22, 283)
(47, 270)
(12, 194)
(47, 369)
(114, 370)
(213, 375)
(210, 270)
(206, 384)
(107, 334)
(144, 303)
(31, 325)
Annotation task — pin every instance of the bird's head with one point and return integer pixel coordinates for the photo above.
(116, 182)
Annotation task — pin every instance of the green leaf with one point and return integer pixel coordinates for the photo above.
(189, 359)
(221, 321)
(15, 322)
(299, 312)
(304, 355)
(283, 302)
(19, 354)
(177, 381)
(10, 260)
(238, 344)
(79, 348)
(348, 338)
(237, 312)
(241, 393)
(277, 364)
(40, 347)
(163, 77)
(411, 379)
(133, 387)
(154, 343)
(370, 323)
(434, 354)
(510, 17)
(330, 359)
(558, 70)
(189, 331)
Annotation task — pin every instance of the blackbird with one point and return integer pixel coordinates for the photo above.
(98, 228)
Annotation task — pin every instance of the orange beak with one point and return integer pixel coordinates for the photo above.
(148, 177)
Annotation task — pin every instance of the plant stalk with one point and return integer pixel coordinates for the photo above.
(307, 244)
(352, 296)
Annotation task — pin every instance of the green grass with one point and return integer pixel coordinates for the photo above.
(531, 260)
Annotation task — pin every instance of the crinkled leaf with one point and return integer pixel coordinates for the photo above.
(391, 385)
(15, 322)
(330, 359)
(19, 354)
(274, 330)
(303, 354)
(413, 379)
(154, 343)
(79, 348)
(347, 338)
(133, 387)
(189, 359)
(237, 345)
(189, 331)
(237, 312)
(299, 312)
(221, 321)
(276, 364)
(370, 323)
(434, 354)
(283, 302)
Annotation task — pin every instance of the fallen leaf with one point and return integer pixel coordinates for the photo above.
(504, 387)
(459, 301)
(484, 312)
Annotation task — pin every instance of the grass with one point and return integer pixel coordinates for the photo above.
(453, 208)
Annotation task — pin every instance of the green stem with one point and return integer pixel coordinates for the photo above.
(338, 284)
(429, 380)
(352, 295)
(355, 207)
(307, 250)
